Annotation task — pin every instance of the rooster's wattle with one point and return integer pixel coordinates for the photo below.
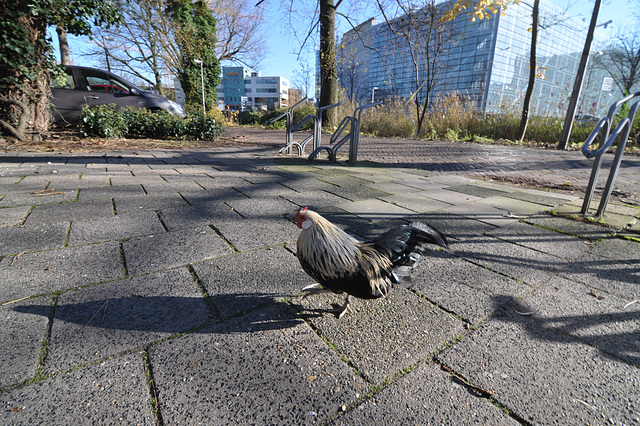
(366, 270)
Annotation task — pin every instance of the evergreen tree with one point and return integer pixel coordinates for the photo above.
(195, 34)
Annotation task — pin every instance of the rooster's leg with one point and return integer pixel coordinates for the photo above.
(342, 310)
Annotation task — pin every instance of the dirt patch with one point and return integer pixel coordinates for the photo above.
(72, 140)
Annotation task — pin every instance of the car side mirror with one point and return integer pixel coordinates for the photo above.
(134, 91)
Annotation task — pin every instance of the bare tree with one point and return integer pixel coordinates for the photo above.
(424, 33)
(240, 31)
(144, 46)
(304, 78)
(621, 59)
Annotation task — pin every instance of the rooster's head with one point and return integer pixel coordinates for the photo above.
(303, 221)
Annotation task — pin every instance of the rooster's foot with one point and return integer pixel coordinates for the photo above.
(342, 310)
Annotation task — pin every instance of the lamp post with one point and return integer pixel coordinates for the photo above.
(373, 94)
(106, 53)
(199, 62)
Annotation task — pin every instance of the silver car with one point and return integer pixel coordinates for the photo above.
(89, 86)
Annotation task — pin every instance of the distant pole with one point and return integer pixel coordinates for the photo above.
(577, 85)
(199, 62)
(373, 94)
(106, 53)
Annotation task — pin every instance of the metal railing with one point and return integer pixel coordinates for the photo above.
(316, 135)
(338, 139)
(606, 140)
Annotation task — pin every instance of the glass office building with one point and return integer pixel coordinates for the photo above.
(488, 61)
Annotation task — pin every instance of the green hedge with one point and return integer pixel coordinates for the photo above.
(108, 122)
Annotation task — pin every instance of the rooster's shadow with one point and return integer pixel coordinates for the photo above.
(223, 314)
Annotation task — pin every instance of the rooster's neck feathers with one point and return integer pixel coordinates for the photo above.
(326, 247)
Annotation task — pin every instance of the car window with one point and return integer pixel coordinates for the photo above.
(64, 81)
(97, 81)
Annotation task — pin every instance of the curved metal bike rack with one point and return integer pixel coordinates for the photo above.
(353, 136)
(315, 136)
(289, 122)
(621, 134)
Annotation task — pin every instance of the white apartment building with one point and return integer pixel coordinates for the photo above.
(242, 89)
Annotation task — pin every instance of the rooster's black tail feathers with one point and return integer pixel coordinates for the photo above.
(405, 246)
(428, 234)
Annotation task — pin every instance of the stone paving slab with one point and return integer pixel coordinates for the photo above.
(513, 206)
(471, 291)
(416, 201)
(19, 239)
(54, 270)
(546, 377)
(426, 396)
(307, 184)
(314, 199)
(545, 198)
(585, 230)
(450, 197)
(454, 226)
(262, 207)
(167, 250)
(198, 215)
(106, 319)
(21, 334)
(85, 231)
(482, 212)
(394, 188)
(37, 197)
(52, 213)
(123, 191)
(383, 336)
(357, 192)
(265, 367)
(543, 240)
(266, 189)
(514, 261)
(155, 202)
(374, 210)
(242, 282)
(603, 321)
(111, 392)
(477, 190)
(249, 234)
(617, 249)
(613, 276)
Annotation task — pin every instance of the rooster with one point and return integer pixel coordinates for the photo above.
(366, 270)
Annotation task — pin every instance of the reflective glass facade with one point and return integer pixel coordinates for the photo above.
(488, 60)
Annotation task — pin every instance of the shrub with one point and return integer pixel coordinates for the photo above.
(106, 121)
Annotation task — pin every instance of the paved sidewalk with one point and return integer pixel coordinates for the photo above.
(160, 287)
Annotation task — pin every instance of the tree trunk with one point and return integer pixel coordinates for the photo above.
(65, 53)
(32, 92)
(577, 85)
(533, 65)
(328, 65)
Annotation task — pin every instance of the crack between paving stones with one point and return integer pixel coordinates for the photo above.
(207, 299)
(229, 243)
(123, 260)
(156, 414)
(480, 392)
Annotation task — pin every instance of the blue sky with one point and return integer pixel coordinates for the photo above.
(282, 58)
(281, 62)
